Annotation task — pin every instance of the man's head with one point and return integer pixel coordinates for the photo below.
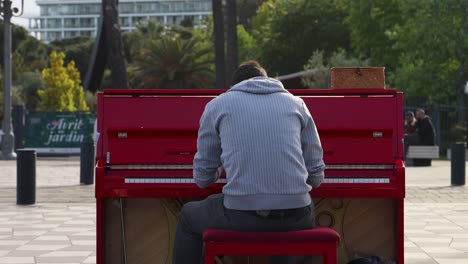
(247, 70)
(409, 116)
(420, 114)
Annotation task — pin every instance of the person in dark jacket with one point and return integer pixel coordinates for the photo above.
(424, 128)
(424, 134)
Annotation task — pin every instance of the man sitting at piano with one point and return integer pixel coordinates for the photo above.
(267, 142)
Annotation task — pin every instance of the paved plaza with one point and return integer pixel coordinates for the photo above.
(60, 227)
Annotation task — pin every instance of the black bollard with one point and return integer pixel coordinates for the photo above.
(87, 162)
(25, 176)
(458, 164)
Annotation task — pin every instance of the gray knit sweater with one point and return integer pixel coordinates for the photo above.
(267, 142)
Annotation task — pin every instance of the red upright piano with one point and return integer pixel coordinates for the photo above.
(147, 141)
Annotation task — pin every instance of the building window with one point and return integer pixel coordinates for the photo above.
(155, 7)
(125, 21)
(51, 36)
(71, 34)
(87, 22)
(175, 20)
(126, 8)
(72, 22)
(53, 23)
(138, 19)
(143, 8)
(87, 33)
(51, 10)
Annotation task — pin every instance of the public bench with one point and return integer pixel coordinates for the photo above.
(421, 155)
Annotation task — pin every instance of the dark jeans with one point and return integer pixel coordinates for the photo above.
(210, 213)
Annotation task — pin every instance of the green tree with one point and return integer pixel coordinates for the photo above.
(18, 35)
(77, 49)
(433, 40)
(174, 63)
(63, 90)
(373, 26)
(135, 41)
(245, 44)
(246, 10)
(30, 83)
(318, 69)
(289, 31)
(33, 54)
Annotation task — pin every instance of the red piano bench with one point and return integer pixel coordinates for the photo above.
(320, 241)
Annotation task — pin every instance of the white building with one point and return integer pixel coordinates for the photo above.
(69, 18)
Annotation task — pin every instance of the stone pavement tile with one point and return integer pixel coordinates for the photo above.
(11, 242)
(57, 263)
(34, 233)
(68, 253)
(442, 250)
(413, 250)
(80, 248)
(461, 246)
(55, 260)
(418, 232)
(51, 243)
(90, 260)
(84, 234)
(83, 242)
(40, 247)
(418, 258)
(451, 260)
(409, 244)
(26, 253)
(47, 241)
(17, 260)
(52, 238)
(420, 261)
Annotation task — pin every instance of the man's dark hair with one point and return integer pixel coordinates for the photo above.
(247, 69)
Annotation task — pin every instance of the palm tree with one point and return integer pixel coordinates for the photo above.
(172, 62)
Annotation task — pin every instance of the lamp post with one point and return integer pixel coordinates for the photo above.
(8, 138)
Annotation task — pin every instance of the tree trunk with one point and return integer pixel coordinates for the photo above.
(114, 44)
(231, 39)
(219, 43)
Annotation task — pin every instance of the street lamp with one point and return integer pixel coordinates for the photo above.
(8, 138)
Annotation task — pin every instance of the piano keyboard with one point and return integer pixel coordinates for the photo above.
(190, 180)
(190, 167)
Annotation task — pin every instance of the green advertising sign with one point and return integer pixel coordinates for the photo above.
(58, 132)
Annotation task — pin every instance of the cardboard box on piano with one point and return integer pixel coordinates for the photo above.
(357, 77)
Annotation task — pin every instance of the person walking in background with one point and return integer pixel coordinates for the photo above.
(267, 142)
